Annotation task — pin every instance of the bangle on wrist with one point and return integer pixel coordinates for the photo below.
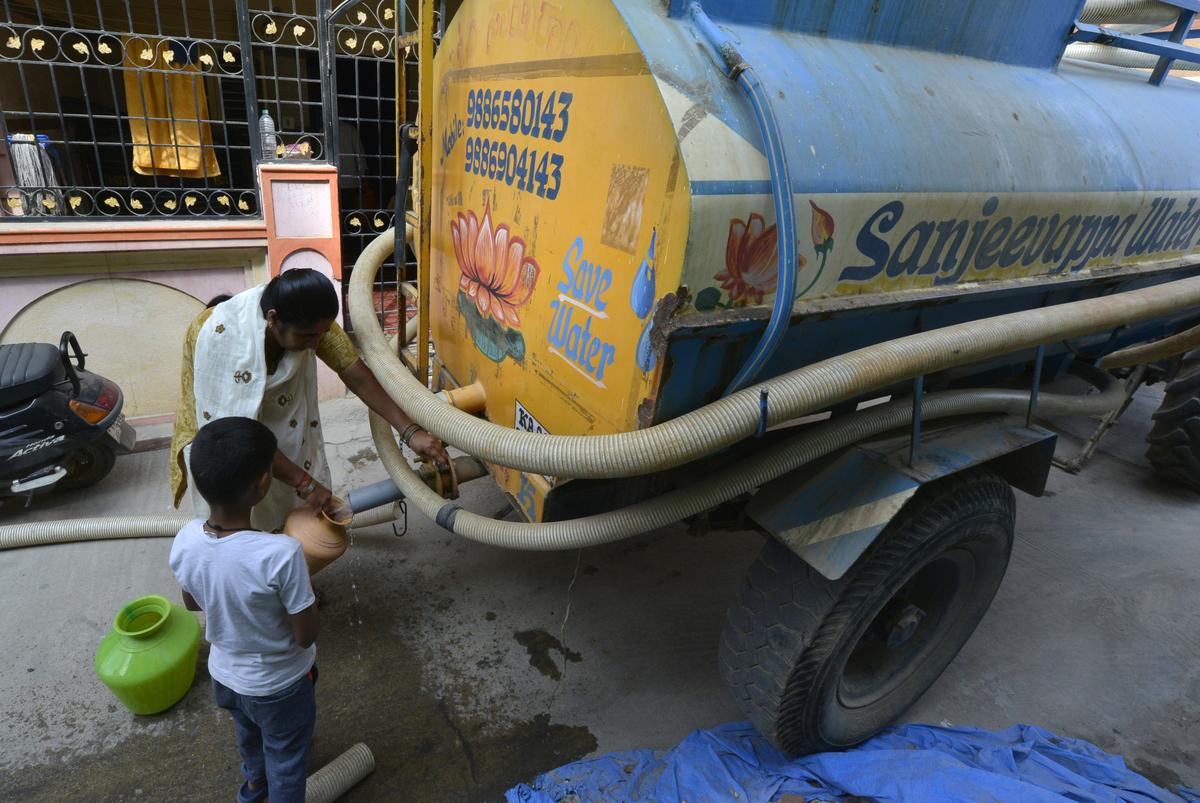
(409, 431)
(305, 486)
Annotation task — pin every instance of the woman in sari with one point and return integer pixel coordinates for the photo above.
(254, 355)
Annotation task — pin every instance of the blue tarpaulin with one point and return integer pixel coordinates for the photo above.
(906, 763)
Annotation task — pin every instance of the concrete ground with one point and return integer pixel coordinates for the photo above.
(459, 665)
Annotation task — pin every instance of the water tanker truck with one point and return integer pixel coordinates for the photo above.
(806, 268)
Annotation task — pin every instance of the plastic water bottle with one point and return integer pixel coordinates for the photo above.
(266, 132)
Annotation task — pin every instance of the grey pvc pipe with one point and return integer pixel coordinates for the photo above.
(725, 422)
(368, 497)
(335, 778)
(373, 495)
(722, 486)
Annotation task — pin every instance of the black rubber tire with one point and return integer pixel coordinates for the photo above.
(790, 632)
(1174, 441)
(87, 466)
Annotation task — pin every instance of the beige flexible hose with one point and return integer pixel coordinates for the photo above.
(739, 478)
(1153, 352)
(42, 533)
(613, 525)
(69, 531)
(1118, 57)
(736, 417)
(335, 778)
(1138, 15)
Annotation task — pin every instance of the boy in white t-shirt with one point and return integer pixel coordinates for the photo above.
(259, 606)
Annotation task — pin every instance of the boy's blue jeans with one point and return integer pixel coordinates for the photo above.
(274, 734)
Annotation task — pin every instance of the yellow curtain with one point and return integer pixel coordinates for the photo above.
(167, 112)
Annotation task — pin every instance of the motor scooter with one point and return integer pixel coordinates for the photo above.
(61, 426)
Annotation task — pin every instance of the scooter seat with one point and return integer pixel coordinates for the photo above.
(27, 369)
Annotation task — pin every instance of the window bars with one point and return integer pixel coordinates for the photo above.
(123, 108)
(145, 109)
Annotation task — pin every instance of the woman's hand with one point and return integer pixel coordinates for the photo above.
(430, 448)
(362, 383)
(319, 498)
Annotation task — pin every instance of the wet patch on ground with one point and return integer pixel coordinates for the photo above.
(1155, 773)
(539, 643)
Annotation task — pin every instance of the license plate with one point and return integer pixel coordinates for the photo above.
(123, 433)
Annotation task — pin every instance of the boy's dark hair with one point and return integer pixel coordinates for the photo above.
(217, 299)
(301, 297)
(228, 456)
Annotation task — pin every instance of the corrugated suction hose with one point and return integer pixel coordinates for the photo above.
(42, 533)
(741, 477)
(335, 778)
(1142, 15)
(644, 517)
(736, 417)
(1118, 57)
(1153, 352)
(69, 531)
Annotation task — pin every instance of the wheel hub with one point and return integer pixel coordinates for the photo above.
(903, 625)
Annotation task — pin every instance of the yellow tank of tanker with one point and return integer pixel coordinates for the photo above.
(548, 261)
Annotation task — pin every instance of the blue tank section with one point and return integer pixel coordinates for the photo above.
(913, 97)
(866, 117)
(1029, 32)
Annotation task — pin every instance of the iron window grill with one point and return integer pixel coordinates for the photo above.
(123, 108)
(150, 109)
(286, 43)
(145, 109)
(363, 47)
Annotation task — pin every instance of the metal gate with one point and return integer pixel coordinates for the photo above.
(360, 48)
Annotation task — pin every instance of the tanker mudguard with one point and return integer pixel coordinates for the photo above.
(830, 512)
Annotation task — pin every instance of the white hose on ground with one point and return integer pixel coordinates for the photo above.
(736, 417)
(42, 533)
(69, 531)
(335, 778)
(722, 486)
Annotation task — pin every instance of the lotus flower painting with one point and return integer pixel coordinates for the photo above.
(752, 262)
(498, 279)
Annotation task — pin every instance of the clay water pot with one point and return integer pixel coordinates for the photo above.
(322, 535)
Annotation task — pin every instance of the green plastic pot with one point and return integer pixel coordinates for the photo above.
(148, 659)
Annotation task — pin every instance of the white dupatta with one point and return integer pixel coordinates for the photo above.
(230, 379)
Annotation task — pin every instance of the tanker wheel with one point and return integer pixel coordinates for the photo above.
(1174, 449)
(88, 465)
(819, 664)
